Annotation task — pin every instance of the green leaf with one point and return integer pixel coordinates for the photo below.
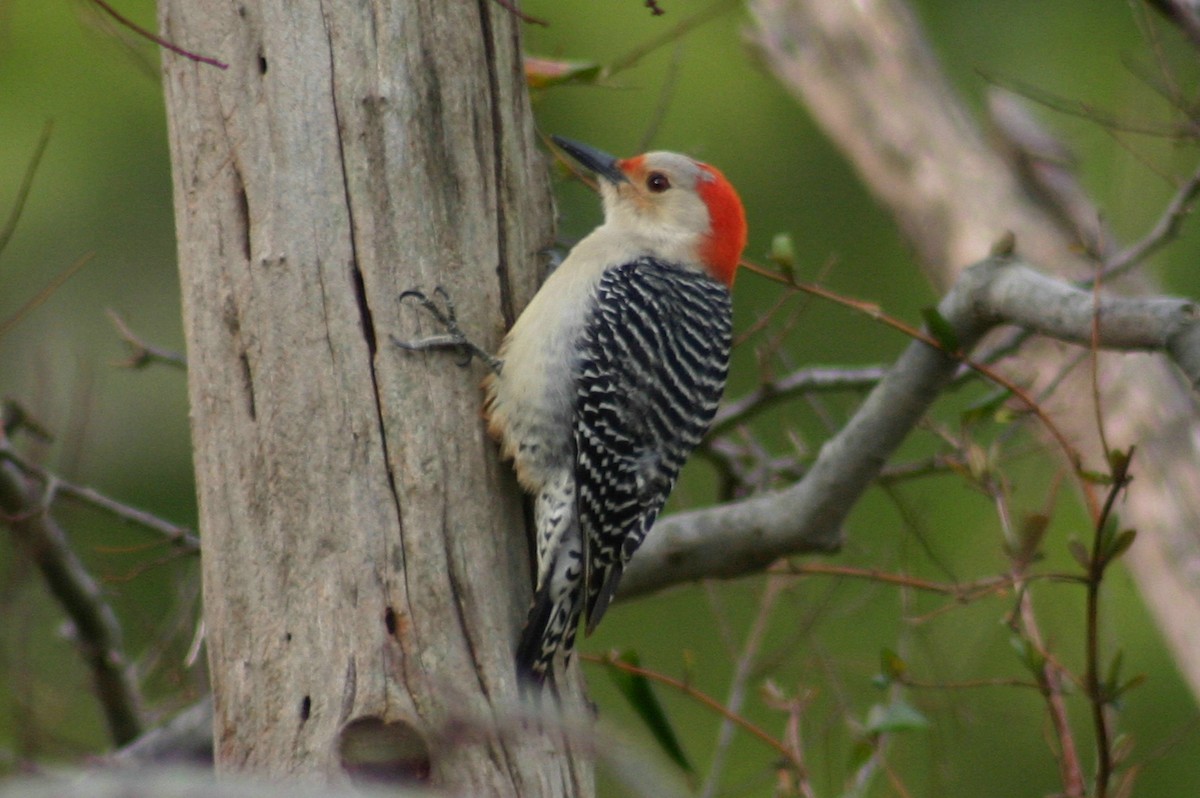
(1007, 414)
(1030, 657)
(891, 664)
(1118, 462)
(898, 716)
(1113, 687)
(940, 329)
(1131, 683)
(1114, 670)
(987, 408)
(1108, 531)
(1033, 532)
(1119, 545)
(783, 254)
(1080, 553)
(638, 693)
(861, 753)
(1095, 477)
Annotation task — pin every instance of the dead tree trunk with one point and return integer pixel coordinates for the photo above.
(365, 562)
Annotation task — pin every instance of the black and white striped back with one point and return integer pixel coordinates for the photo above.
(653, 361)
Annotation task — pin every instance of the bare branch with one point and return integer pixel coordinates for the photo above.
(14, 216)
(1164, 230)
(142, 354)
(743, 669)
(47, 291)
(704, 700)
(803, 381)
(187, 738)
(745, 536)
(97, 630)
(951, 194)
(178, 536)
(160, 41)
(1044, 163)
(1047, 167)
(672, 34)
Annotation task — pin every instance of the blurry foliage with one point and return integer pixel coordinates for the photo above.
(104, 188)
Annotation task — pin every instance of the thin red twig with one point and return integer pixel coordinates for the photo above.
(511, 7)
(875, 312)
(703, 698)
(160, 41)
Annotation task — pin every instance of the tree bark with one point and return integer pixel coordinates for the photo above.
(365, 562)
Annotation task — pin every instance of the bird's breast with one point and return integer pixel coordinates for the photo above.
(531, 401)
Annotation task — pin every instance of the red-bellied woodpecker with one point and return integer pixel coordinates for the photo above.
(611, 376)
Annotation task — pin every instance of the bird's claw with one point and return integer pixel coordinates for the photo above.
(454, 338)
(447, 318)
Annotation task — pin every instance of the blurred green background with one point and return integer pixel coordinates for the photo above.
(104, 188)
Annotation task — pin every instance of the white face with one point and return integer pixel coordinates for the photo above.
(660, 198)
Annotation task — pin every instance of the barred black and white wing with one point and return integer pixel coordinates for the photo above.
(649, 371)
(652, 368)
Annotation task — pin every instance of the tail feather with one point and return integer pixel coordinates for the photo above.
(549, 628)
(533, 655)
(554, 615)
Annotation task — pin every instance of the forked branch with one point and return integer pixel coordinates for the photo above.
(745, 536)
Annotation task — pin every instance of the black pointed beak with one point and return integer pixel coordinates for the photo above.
(600, 162)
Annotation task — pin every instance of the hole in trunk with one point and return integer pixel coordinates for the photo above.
(375, 750)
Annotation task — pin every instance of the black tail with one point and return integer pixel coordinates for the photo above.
(549, 629)
(533, 658)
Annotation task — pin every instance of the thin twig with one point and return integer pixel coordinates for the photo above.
(665, 94)
(1050, 673)
(794, 707)
(960, 592)
(10, 225)
(142, 354)
(747, 535)
(685, 26)
(14, 416)
(1165, 229)
(160, 41)
(1084, 110)
(969, 684)
(702, 698)
(737, 687)
(875, 312)
(1097, 564)
(934, 466)
(1094, 355)
(813, 379)
(511, 7)
(37, 299)
(97, 630)
(180, 537)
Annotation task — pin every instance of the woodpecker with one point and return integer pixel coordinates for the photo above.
(611, 376)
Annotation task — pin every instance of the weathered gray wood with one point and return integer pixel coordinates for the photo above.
(365, 563)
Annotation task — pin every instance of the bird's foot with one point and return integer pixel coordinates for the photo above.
(453, 338)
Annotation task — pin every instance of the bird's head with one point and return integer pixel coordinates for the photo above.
(682, 208)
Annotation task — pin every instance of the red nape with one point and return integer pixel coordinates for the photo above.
(722, 249)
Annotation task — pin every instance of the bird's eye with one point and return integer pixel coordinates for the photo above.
(657, 182)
